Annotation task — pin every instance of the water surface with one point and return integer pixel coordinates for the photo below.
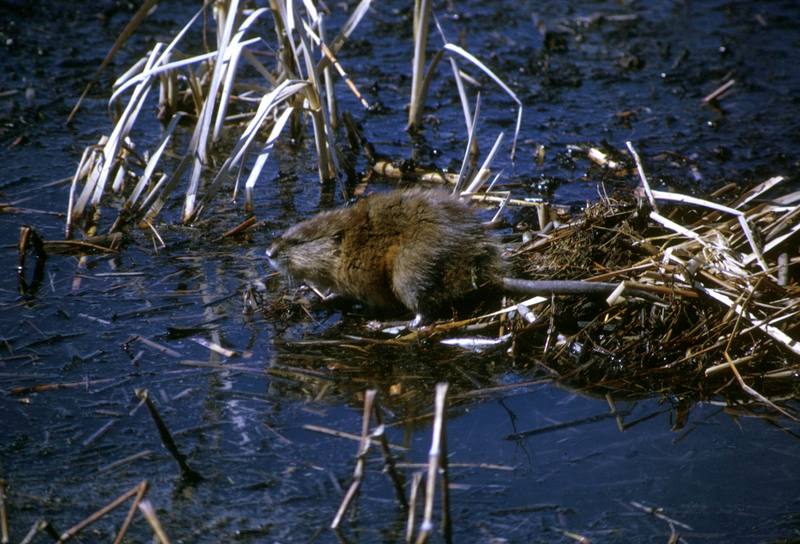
(723, 474)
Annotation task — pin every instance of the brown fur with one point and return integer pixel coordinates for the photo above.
(422, 249)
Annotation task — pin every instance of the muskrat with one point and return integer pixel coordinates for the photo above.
(419, 249)
(424, 250)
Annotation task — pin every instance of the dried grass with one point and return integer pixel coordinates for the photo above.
(730, 302)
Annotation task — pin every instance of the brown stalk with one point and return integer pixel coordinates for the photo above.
(78, 527)
(719, 91)
(388, 459)
(40, 388)
(3, 515)
(126, 33)
(342, 434)
(746, 388)
(245, 225)
(142, 490)
(166, 438)
(358, 471)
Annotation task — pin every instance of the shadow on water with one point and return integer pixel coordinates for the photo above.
(530, 459)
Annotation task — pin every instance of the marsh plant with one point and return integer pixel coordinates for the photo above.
(215, 94)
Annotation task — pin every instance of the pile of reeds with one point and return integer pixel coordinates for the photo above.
(723, 301)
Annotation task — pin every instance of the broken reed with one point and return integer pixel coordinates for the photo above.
(3, 516)
(437, 471)
(187, 473)
(137, 493)
(370, 410)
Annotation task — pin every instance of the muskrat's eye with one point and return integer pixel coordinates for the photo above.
(292, 242)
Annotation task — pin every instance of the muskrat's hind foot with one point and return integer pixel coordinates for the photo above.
(326, 295)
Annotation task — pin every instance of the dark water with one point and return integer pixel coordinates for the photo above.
(727, 475)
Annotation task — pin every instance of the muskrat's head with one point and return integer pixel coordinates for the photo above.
(309, 251)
